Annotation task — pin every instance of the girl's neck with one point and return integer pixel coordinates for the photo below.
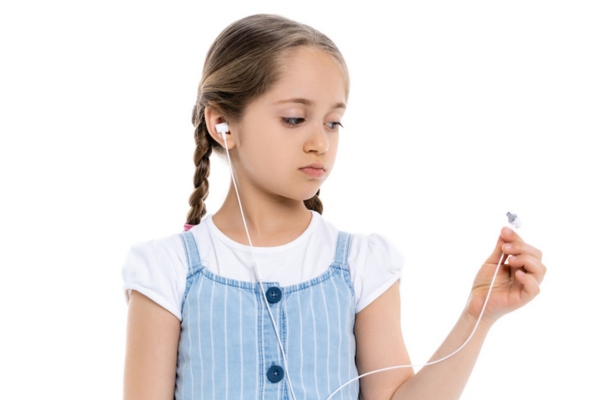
(270, 223)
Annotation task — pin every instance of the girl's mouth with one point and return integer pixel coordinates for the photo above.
(314, 170)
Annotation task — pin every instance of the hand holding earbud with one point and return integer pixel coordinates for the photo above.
(518, 280)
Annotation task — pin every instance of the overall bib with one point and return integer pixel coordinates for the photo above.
(228, 348)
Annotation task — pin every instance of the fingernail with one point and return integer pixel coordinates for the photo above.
(508, 246)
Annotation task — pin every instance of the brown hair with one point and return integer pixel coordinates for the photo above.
(242, 64)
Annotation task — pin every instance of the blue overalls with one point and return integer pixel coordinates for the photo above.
(228, 348)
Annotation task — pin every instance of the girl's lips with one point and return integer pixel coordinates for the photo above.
(314, 170)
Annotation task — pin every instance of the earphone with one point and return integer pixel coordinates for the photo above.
(223, 128)
(514, 220)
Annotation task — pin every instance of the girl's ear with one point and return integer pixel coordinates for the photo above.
(212, 118)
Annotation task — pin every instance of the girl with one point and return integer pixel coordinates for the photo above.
(265, 299)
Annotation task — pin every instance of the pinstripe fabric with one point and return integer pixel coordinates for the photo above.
(228, 343)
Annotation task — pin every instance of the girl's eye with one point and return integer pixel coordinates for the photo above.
(334, 125)
(293, 122)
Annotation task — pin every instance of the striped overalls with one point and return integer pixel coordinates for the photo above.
(228, 348)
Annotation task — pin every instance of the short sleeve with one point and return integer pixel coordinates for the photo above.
(158, 270)
(375, 265)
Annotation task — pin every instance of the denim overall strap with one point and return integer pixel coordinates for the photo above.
(191, 251)
(342, 249)
(193, 258)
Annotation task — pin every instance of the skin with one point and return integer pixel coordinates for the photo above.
(292, 126)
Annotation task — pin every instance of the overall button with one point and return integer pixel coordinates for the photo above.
(275, 374)
(273, 295)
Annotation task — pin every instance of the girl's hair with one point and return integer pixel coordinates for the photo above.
(242, 64)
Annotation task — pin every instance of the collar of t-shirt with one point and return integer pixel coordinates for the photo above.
(300, 260)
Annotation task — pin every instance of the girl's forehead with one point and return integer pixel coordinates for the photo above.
(312, 74)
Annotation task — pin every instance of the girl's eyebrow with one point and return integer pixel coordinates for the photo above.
(307, 102)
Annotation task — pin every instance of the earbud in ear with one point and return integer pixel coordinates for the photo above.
(222, 128)
(514, 220)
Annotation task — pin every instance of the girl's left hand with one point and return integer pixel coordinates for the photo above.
(518, 280)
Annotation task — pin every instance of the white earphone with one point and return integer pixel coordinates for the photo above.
(222, 128)
(514, 220)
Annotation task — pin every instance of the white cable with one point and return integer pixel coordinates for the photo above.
(440, 359)
(256, 272)
(264, 296)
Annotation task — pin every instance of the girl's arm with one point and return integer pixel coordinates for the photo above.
(445, 380)
(380, 344)
(151, 355)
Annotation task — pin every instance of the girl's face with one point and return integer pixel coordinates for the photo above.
(286, 141)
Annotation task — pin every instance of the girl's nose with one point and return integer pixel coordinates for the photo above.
(317, 142)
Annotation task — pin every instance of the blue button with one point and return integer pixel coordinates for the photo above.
(273, 295)
(275, 374)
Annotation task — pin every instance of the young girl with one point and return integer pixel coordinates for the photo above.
(265, 299)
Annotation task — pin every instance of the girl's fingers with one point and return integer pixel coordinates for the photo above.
(497, 253)
(520, 247)
(510, 243)
(523, 255)
(530, 264)
(515, 244)
(531, 286)
(508, 235)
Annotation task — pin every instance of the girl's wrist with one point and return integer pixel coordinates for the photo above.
(471, 320)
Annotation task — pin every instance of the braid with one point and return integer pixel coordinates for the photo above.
(314, 203)
(202, 162)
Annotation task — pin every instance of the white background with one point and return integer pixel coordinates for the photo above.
(459, 111)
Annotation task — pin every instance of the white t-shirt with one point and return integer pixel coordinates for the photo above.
(158, 268)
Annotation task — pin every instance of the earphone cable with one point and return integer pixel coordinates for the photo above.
(264, 296)
(256, 271)
(440, 359)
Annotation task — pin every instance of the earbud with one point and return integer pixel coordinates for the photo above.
(514, 220)
(222, 128)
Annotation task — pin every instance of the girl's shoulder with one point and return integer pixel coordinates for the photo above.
(367, 247)
(157, 269)
(374, 264)
(374, 248)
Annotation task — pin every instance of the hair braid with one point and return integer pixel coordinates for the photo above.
(314, 203)
(202, 162)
